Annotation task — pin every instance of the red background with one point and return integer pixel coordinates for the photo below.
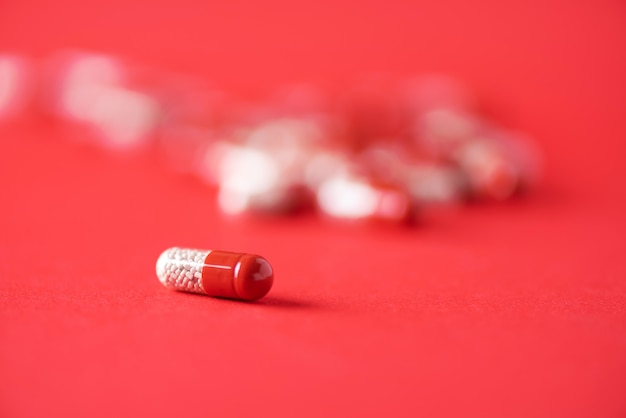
(498, 310)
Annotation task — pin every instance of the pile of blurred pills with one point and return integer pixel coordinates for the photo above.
(376, 150)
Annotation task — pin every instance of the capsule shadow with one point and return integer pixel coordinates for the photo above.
(267, 301)
(283, 303)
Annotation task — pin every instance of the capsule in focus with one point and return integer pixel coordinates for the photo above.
(215, 273)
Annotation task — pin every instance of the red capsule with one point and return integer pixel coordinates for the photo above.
(215, 273)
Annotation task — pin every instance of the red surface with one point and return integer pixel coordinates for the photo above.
(498, 310)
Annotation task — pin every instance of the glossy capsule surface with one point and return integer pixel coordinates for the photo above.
(215, 273)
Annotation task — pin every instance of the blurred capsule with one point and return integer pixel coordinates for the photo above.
(381, 151)
(193, 116)
(443, 115)
(354, 197)
(323, 164)
(497, 165)
(440, 132)
(428, 182)
(251, 180)
(15, 88)
(72, 80)
(263, 170)
(344, 188)
(94, 90)
(432, 184)
(290, 140)
(371, 112)
(490, 174)
(125, 118)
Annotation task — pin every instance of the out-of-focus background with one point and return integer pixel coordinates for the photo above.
(514, 309)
